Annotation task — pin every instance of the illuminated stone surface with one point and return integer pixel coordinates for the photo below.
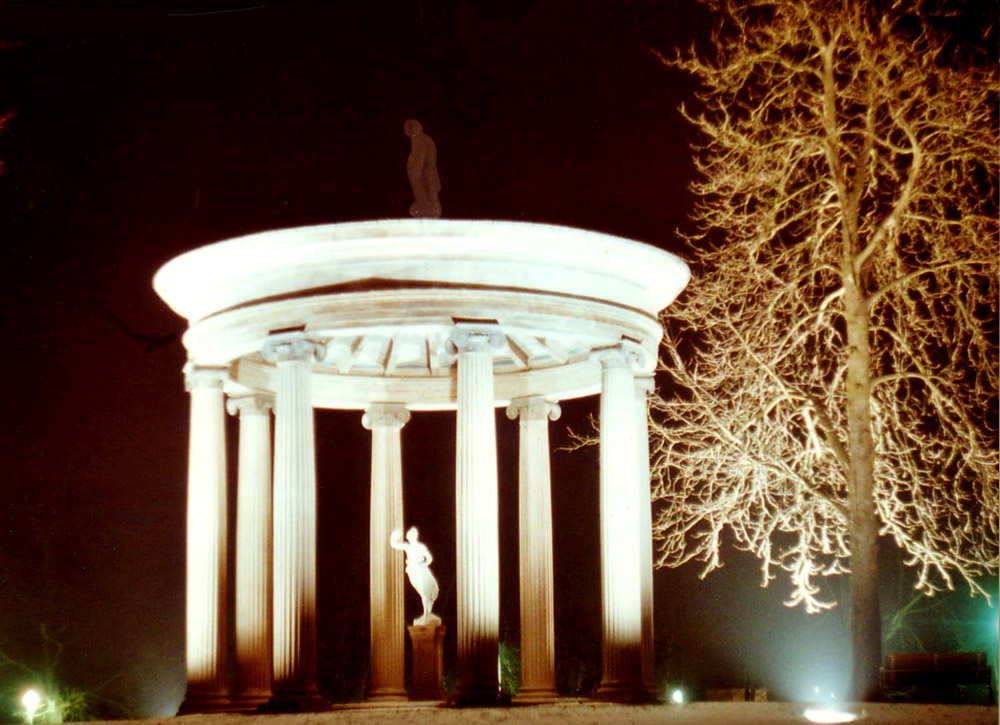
(643, 387)
(386, 568)
(477, 549)
(294, 649)
(206, 544)
(429, 314)
(253, 551)
(383, 297)
(538, 656)
(620, 552)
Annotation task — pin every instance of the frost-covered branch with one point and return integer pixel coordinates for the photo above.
(841, 156)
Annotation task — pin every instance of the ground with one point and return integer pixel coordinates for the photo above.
(587, 713)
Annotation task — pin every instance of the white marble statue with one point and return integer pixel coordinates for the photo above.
(418, 569)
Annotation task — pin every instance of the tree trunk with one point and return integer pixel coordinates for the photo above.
(866, 622)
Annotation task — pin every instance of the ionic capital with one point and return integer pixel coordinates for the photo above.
(475, 337)
(285, 347)
(533, 409)
(253, 404)
(626, 354)
(204, 377)
(385, 415)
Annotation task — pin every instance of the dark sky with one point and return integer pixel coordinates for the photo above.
(143, 131)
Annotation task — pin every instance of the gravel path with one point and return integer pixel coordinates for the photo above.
(587, 713)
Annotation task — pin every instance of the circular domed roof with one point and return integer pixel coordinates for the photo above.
(385, 295)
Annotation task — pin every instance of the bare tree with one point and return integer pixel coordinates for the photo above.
(833, 365)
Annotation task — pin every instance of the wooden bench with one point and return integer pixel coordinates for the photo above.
(937, 669)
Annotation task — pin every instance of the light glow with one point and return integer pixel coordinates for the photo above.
(822, 698)
(677, 696)
(827, 715)
(30, 700)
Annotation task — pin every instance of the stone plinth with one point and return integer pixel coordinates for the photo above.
(428, 661)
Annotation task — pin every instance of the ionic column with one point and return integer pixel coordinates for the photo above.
(620, 550)
(386, 585)
(538, 679)
(294, 532)
(206, 544)
(476, 519)
(644, 386)
(253, 551)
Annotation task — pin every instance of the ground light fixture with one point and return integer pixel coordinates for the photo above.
(677, 696)
(30, 699)
(827, 714)
(826, 707)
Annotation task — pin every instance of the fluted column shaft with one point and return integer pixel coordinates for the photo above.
(535, 548)
(620, 550)
(477, 529)
(386, 585)
(644, 386)
(206, 544)
(253, 550)
(294, 586)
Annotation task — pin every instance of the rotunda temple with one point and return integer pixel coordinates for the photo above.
(391, 318)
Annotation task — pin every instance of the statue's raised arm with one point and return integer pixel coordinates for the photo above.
(418, 561)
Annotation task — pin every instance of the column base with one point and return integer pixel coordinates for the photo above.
(478, 698)
(387, 694)
(536, 695)
(625, 692)
(249, 701)
(195, 703)
(307, 701)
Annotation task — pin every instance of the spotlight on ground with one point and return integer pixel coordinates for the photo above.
(828, 715)
(30, 700)
(677, 696)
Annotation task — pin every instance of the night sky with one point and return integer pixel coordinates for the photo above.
(143, 131)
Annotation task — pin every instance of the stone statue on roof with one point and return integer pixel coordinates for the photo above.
(421, 167)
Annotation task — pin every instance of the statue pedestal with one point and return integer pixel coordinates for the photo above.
(427, 667)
